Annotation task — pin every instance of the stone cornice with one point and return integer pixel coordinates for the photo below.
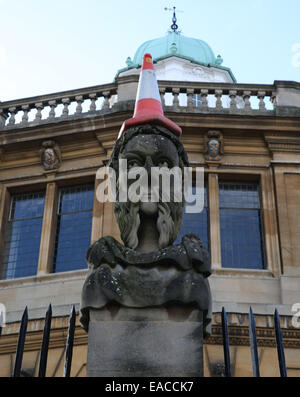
(239, 336)
(113, 121)
(283, 144)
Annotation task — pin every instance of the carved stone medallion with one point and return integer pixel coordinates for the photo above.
(50, 155)
(213, 144)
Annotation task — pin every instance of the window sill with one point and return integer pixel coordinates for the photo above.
(43, 278)
(242, 272)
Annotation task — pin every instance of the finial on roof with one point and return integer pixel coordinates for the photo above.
(174, 26)
(219, 60)
(129, 62)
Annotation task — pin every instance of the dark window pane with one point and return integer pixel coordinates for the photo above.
(240, 222)
(27, 206)
(239, 195)
(196, 223)
(73, 227)
(23, 235)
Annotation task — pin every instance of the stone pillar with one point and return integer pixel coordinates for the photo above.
(130, 342)
(127, 88)
(48, 230)
(214, 220)
(287, 94)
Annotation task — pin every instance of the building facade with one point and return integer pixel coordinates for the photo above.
(247, 139)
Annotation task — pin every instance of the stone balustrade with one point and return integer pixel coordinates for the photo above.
(217, 97)
(60, 106)
(176, 96)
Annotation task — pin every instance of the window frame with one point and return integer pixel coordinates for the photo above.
(260, 212)
(6, 193)
(269, 224)
(205, 206)
(49, 223)
(46, 261)
(268, 218)
(59, 214)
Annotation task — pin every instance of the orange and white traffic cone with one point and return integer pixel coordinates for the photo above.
(148, 107)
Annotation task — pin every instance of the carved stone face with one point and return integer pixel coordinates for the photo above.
(213, 147)
(49, 156)
(154, 148)
(149, 151)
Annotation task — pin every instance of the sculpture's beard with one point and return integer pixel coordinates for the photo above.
(168, 222)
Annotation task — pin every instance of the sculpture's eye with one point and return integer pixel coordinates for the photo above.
(133, 163)
(163, 163)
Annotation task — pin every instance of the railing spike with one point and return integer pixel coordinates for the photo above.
(1, 322)
(253, 344)
(21, 342)
(69, 345)
(45, 342)
(226, 343)
(279, 344)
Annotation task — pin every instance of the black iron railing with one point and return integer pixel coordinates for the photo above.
(253, 344)
(45, 343)
(70, 342)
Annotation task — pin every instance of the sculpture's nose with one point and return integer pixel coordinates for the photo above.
(148, 164)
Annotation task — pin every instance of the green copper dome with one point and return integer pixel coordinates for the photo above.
(175, 44)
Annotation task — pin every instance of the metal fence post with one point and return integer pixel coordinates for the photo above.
(279, 344)
(226, 343)
(21, 342)
(69, 346)
(253, 344)
(45, 343)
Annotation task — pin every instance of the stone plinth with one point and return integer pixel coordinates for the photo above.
(145, 342)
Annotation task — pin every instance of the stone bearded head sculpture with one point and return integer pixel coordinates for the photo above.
(148, 270)
(149, 225)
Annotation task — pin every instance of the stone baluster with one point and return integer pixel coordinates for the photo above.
(79, 100)
(232, 96)
(261, 95)
(2, 118)
(105, 105)
(52, 105)
(162, 92)
(273, 100)
(66, 103)
(38, 116)
(175, 92)
(204, 102)
(190, 93)
(12, 118)
(25, 109)
(218, 95)
(246, 98)
(93, 98)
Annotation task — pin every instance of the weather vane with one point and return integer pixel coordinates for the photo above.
(174, 26)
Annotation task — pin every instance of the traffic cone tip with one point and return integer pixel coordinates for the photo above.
(148, 107)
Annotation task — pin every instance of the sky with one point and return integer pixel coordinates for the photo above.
(57, 45)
